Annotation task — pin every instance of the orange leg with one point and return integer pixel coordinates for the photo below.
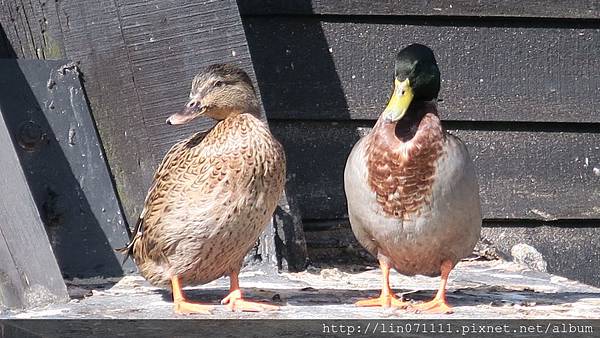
(387, 297)
(235, 302)
(180, 303)
(439, 303)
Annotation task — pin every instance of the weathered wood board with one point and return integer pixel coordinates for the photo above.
(138, 59)
(311, 67)
(93, 36)
(576, 9)
(30, 29)
(523, 174)
(29, 274)
(47, 114)
(525, 75)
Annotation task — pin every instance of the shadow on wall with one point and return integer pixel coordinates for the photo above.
(6, 51)
(80, 245)
(288, 51)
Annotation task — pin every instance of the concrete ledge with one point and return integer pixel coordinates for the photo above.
(477, 289)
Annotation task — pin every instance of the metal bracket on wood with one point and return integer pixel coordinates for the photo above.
(47, 114)
(29, 273)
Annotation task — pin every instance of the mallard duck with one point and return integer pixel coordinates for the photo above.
(212, 195)
(413, 197)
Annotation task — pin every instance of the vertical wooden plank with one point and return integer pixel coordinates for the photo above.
(33, 29)
(168, 42)
(93, 38)
(138, 59)
(29, 274)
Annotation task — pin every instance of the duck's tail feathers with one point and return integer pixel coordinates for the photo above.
(128, 249)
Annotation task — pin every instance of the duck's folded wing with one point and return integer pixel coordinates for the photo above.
(171, 160)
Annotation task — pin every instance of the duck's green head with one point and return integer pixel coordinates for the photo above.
(416, 79)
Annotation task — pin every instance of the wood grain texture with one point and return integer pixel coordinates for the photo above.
(32, 29)
(168, 42)
(138, 59)
(93, 38)
(27, 277)
(579, 9)
(543, 175)
(320, 68)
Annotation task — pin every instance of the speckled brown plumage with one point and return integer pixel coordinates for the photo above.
(401, 163)
(209, 202)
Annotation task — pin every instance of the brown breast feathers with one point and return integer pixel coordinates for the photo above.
(402, 161)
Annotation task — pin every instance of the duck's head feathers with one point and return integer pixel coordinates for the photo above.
(219, 91)
(416, 80)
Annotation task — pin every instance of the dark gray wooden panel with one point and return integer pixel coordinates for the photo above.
(31, 28)
(496, 8)
(47, 113)
(94, 38)
(332, 241)
(138, 59)
(340, 69)
(29, 274)
(523, 174)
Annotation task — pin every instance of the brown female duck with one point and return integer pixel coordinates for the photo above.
(213, 193)
(412, 192)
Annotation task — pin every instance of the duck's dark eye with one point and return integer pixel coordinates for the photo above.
(218, 83)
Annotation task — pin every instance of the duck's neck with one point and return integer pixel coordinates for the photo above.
(421, 118)
(240, 126)
(252, 107)
(222, 114)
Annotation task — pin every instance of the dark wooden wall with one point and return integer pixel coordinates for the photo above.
(137, 60)
(521, 86)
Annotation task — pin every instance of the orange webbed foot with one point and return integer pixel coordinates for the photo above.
(438, 304)
(383, 301)
(235, 302)
(180, 303)
(187, 307)
(435, 305)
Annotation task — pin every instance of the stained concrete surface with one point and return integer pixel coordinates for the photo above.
(477, 289)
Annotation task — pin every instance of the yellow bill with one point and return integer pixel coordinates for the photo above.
(400, 101)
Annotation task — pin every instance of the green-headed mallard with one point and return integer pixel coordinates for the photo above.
(213, 193)
(413, 198)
